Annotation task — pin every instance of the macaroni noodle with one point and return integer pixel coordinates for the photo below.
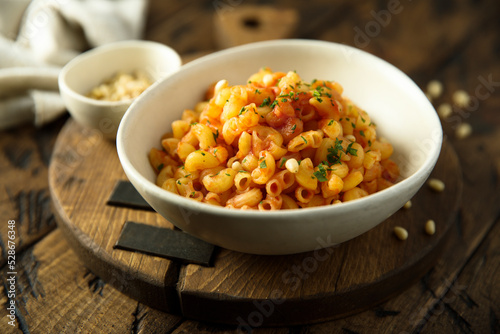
(277, 142)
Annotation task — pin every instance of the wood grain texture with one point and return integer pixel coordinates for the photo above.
(242, 288)
(456, 42)
(50, 274)
(328, 283)
(471, 303)
(246, 24)
(82, 175)
(24, 193)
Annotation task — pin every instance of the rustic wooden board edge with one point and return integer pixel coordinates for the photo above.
(160, 295)
(108, 270)
(235, 310)
(322, 308)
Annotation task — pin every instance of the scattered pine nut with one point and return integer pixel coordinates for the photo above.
(436, 185)
(351, 138)
(237, 166)
(430, 227)
(401, 233)
(435, 88)
(444, 110)
(292, 165)
(463, 130)
(221, 84)
(407, 205)
(461, 98)
(429, 97)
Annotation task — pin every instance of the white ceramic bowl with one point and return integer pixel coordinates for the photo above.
(86, 71)
(394, 102)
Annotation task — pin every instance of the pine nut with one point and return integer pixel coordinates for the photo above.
(430, 227)
(351, 138)
(407, 205)
(436, 185)
(445, 110)
(401, 233)
(461, 98)
(434, 88)
(463, 130)
(237, 166)
(292, 165)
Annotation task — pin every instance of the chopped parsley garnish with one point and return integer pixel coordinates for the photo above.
(361, 133)
(228, 174)
(203, 153)
(216, 135)
(263, 164)
(331, 122)
(353, 125)
(305, 140)
(265, 102)
(294, 127)
(241, 110)
(283, 162)
(160, 167)
(335, 152)
(321, 173)
(351, 150)
(290, 95)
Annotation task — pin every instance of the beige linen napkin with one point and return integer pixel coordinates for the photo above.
(38, 37)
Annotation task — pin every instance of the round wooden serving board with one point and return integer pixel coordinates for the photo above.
(243, 289)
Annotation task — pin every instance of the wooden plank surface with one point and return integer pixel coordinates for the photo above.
(83, 173)
(456, 42)
(331, 283)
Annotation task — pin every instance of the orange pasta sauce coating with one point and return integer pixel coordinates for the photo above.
(276, 142)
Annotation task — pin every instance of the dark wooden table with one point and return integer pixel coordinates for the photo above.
(455, 42)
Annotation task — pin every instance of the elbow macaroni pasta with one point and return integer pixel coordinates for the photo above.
(277, 142)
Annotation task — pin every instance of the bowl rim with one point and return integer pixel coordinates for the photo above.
(105, 48)
(150, 187)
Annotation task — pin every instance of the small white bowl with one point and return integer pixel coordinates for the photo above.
(394, 102)
(88, 70)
